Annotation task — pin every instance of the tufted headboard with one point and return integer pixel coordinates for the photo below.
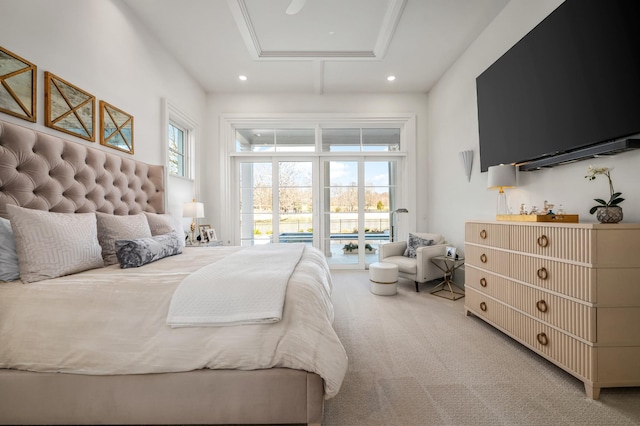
(44, 172)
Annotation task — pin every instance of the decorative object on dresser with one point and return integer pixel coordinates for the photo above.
(501, 177)
(116, 128)
(18, 79)
(195, 211)
(606, 211)
(569, 292)
(565, 218)
(68, 108)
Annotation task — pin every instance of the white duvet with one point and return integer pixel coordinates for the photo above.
(205, 298)
(113, 321)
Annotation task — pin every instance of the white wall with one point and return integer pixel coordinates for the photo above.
(99, 47)
(219, 104)
(453, 126)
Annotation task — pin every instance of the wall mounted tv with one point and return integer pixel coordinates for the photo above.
(570, 89)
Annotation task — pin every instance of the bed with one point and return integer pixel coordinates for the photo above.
(93, 347)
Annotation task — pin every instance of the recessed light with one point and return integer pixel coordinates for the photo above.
(391, 77)
(242, 77)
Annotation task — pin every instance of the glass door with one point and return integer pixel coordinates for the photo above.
(357, 197)
(276, 202)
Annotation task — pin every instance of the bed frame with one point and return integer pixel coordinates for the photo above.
(43, 172)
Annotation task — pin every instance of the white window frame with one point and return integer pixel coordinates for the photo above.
(228, 173)
(177, 117)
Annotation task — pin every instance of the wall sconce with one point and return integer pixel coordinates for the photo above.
(501, 177)
(195, 211)
(466, 157)
(393, 221)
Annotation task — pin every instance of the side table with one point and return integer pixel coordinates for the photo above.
(448, 265)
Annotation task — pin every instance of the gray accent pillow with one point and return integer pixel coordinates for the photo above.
(112, 228)
(9, 269)
(51, 245)
(134, 253)
(163, 223)
(413, 243)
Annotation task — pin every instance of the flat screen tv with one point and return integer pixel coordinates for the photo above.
(571, 84)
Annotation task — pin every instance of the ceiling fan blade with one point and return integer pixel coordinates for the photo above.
(295, 6)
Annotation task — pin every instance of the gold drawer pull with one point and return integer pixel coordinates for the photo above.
(483, 282)
(483, 258)
(483, 234)
(543, 241)
(542, 339)
(483, 306)
(542, 306)
(543, 274)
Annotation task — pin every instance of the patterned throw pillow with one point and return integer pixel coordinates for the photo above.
(112, 228)
(134, 253)
(413, 243)
(51, 245)
(9, 269)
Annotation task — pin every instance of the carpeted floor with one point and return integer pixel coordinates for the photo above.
(416, 359)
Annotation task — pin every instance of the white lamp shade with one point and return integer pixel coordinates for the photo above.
(502, 176)
(193, 209)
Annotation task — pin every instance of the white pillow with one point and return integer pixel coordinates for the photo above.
(112, 228)
(51, 245)
(164, 223)
(9, 269)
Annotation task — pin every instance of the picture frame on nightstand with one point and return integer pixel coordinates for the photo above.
(203, 232)
(211, 235)
(450, 253)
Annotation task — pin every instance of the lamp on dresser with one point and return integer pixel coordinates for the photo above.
(501, 177)
(194, 210)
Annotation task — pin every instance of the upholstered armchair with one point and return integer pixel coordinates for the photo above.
(418, 269)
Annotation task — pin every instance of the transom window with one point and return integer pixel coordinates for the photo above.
(269, 140)
(355, 140)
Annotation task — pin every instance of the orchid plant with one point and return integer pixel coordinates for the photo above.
(615, 198)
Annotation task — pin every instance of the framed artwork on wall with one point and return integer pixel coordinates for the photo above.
(116, 128)
(17, 86)
(68, 108)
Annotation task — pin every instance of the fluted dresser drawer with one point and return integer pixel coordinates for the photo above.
(487, 258)
(570, 279)
(492, 235)
(564, 350)
(572, 244)
(575, 318)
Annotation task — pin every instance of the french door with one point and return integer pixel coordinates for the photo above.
(357, 196)
(339, 205)
(276, 201)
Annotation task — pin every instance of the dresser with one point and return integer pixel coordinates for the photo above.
(569, 292)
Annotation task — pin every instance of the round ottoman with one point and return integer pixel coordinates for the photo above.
(384, 278)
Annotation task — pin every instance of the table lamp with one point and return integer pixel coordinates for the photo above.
(501, 177)
(193, 210)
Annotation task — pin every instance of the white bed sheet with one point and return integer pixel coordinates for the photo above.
(113, 321)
